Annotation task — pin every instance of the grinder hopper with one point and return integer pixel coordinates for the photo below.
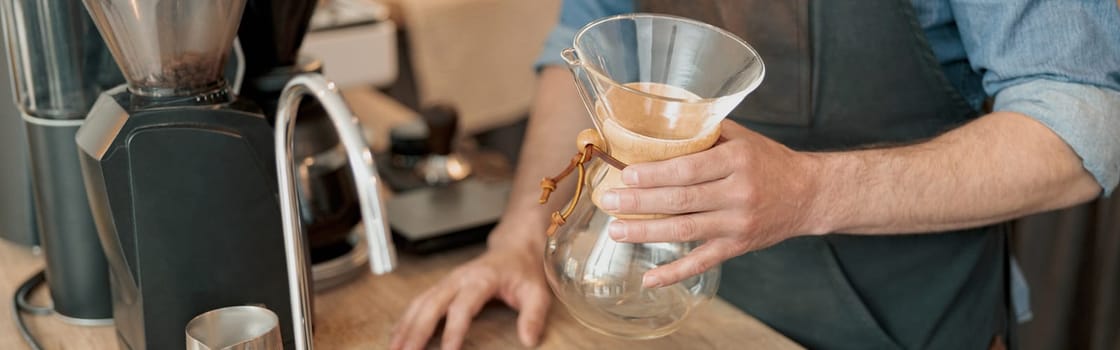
(169, 47)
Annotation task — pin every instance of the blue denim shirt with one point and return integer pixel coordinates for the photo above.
(1055, 61)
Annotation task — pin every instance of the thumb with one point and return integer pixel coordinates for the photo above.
(533, 313)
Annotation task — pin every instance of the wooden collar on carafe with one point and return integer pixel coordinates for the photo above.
(590, 145)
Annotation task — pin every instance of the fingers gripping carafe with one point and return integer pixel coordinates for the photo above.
(656, 87)
(180, 174)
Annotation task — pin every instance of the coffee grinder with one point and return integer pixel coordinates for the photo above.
(58, 68)
(271, 34)
(180, 173)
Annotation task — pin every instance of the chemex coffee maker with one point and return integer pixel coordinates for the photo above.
(180, 174)
(647, 104)
(271, 33)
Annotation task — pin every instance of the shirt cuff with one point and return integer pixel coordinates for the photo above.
(1084, 116)
(561, 38)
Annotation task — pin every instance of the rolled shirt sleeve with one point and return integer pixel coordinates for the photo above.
(574, 14)
(1057, 62)
(1084, 116)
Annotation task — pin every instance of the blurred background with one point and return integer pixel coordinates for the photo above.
(398, 59)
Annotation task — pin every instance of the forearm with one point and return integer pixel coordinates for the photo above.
(1001, 166)
(556, 117)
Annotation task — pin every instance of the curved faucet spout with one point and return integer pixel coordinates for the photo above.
(382, 256)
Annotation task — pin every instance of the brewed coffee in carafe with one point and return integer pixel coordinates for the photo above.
(656, 88)
(180, 174)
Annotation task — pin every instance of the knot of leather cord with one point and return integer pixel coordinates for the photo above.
(589, 151)
(557, 220)
(547, 186)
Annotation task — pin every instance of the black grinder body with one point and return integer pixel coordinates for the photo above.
(184, 196)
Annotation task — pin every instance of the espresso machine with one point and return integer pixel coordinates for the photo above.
(58, 67)
(180, 174)
(271, 34)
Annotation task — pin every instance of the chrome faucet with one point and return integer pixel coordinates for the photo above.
(382, 255)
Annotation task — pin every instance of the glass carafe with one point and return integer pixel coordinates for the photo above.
(656, 87)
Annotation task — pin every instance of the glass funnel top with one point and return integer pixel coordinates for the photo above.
(168, 47)
(662, 76)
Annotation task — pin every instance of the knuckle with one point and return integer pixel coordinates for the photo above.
(422, 299)
(466, 269)
(695, 267)
(729, 156)
(684, 229)
(629, 200)
(742, 195)
(649, 173)
(686, 171)
(740, 225)
(752, 225)
(542, 294)
(476, 283)
(535, 294)
(736, 247)
(724, 152)
(736, 155)
(681, 200)
(637, 230)
(459, 309)
(475, 278)
(705, 265)
(415, 305)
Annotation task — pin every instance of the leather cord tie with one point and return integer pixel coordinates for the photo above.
(589, 140)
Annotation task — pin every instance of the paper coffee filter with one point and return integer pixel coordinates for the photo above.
(666, 79)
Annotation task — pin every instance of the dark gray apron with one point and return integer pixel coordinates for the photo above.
(844, 74)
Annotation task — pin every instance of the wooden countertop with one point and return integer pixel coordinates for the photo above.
(360, 314)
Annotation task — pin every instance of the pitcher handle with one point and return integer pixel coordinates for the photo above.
(584, 85)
